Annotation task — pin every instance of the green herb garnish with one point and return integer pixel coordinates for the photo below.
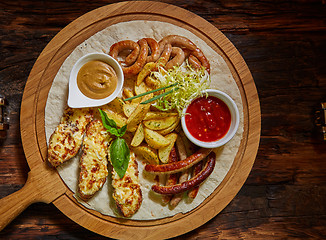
(119, 150)
(152, 91)
(188, 83)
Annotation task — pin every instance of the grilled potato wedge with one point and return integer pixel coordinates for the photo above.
(154, 139)
(164, 152)
(139, 136)
(159, 124)
(148, 153)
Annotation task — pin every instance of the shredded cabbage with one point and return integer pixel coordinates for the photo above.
(191, 83)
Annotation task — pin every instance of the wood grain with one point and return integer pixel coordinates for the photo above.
(283, 45)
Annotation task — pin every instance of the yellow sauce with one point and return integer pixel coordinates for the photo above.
(97, 79)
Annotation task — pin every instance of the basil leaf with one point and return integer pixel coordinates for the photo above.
(122, 130)
(119, 155)
(109, 124)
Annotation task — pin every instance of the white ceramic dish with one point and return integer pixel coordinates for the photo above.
(234, 121)
(76, 99)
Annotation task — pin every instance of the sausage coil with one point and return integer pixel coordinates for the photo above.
(176, 41)
(118, 47)
(191, 183)
(154, 50)
(201, 57)
(165, 56)
(141, 60)
(178, 56)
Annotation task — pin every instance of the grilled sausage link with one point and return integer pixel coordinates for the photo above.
(118, 47)
(181, 165)
(191, 183)
(176, 41)
(154, 50)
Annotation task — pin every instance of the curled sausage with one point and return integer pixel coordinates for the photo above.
(176, 41)
(154, 50)
(181, 165)
(193, 61)
(141, 60)
(191, 183)
(165, 56)
(118, 47)
(178, 56)
(201, 57)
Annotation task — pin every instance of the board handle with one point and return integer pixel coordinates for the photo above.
(38, 188)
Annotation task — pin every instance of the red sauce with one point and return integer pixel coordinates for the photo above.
(208, 119)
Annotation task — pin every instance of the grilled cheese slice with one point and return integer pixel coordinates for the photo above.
(67, 138)
(126, 191)
(93, 162)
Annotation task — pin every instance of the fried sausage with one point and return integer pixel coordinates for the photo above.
(154, 50)
(118, 47)
(201, 57)
(165, 56)
(176, 41)
(141, 60)
(193, 61)
(181, 165)
(191, 183)
(178, 56)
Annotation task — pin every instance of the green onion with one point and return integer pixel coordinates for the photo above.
(159, 96)
(155, 90)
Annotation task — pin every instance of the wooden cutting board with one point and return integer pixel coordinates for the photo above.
(44, 183)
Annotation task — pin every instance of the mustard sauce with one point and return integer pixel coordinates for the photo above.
(97, 79)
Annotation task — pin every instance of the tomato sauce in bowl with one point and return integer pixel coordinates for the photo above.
(208, 119)
(212, 120)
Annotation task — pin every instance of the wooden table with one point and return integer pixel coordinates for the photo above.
(284, 47)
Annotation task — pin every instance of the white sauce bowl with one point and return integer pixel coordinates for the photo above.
(76, 99)
(233, 126)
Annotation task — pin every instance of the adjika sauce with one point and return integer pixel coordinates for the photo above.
(208, 119)
(97, 79)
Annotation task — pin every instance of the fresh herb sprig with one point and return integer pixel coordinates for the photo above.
(152, 91)
(119, 150)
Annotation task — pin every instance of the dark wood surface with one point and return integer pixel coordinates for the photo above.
(284, 45)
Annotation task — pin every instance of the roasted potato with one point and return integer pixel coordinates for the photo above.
(159, 124)
(164, 152)
(148, 153)
(169, 129)
(154, 139)
(141, 88)
(116, 105)
(158, 115)
(152, 82)
(147, 69)
(127, 93)
(138, 114)
(138, 137)
(128, 108)
(119, 120)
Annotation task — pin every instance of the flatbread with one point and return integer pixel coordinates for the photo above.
(221, 79)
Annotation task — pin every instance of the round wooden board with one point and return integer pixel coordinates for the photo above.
(47, 66)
